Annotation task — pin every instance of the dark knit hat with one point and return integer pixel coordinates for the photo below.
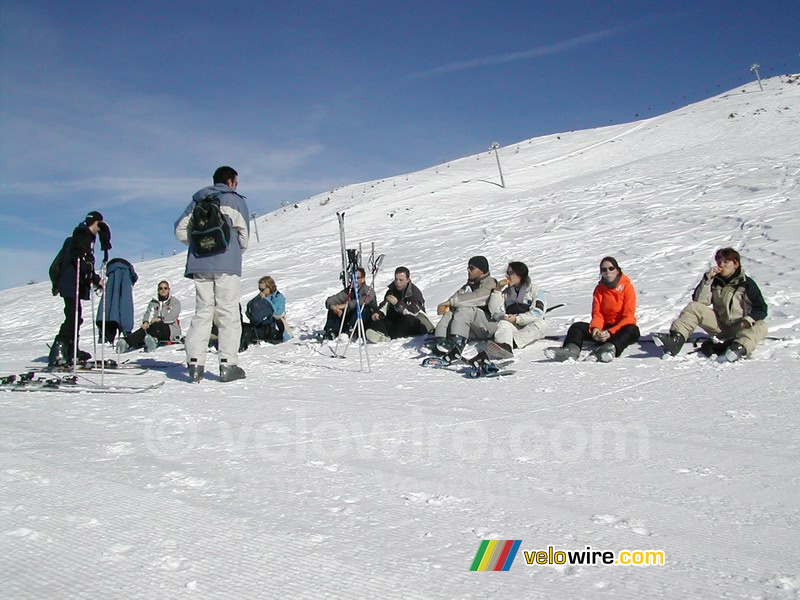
(93, 217)
(480, 262)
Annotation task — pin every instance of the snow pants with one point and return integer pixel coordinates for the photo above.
(215, 294)
(470, 322)
(399, 326)
(508, 333)
(697, 315)
(624, 337)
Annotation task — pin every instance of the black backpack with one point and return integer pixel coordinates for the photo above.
(55, 266)
(210, 232)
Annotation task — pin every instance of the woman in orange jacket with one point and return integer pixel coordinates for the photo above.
(613, 325)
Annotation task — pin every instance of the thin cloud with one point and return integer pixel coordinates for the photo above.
(564, 46)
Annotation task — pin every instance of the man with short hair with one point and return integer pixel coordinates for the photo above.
(402, 312)
(74, 286)
(217, 279)
(736, 314)
(465, 315)
(343, 306)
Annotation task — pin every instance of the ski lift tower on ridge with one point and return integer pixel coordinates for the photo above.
(754, 69)
(495, 146)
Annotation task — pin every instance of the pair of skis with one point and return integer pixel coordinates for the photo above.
(32, 381)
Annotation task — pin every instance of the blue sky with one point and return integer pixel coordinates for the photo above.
(128, 107)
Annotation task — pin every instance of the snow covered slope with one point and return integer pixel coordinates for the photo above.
(312, 479)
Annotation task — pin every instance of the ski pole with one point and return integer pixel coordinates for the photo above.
(103, 327)
(94, 327)
(344, 316)
(77, 310)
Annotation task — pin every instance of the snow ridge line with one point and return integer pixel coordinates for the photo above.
(475, 421)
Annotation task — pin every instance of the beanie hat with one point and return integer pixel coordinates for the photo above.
(480, 262)
(93, 217)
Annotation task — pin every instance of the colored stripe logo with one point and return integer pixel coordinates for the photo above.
(495, 555)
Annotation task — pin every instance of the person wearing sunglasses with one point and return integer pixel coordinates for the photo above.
(726, 304)
(160, 322)
(266, 313)
(518, 306)
(465, 315)
(613, 324)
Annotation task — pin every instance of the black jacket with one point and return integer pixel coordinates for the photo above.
(81, 246)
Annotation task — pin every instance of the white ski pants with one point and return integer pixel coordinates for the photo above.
(216, 297)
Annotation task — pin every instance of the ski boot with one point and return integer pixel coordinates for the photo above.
(606, 353)
(568, 352)
(59, 355)
(230, 372)
(734, 352)
(670, 343)
(196, 371)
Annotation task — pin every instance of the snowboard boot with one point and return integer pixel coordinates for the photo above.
(568, 352)
(196, 371)
(671, 343)
(711, 348)
(606, 353)
(499, 350)
(150, 343)
(230, 372)
(59, 355)
(734, 352)
(459, 340)
(376, 337)
(122, 345)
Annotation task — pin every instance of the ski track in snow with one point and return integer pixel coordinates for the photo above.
(313, 479)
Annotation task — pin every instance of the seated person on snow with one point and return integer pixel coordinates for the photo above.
(465, 315)
(267, 315)
(159, 324)
(518, 306)
(402, 312)
(613, 326)
(736, 314)
(343, 305)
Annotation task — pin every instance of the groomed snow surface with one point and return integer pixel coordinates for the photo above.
(314, 479)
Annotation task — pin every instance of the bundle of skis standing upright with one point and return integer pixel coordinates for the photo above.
(351, 262)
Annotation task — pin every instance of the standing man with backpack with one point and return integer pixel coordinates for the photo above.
(215, 226)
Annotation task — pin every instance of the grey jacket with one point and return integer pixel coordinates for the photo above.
(234, 208)
(168, 311)
(474, 293)
(365, 294)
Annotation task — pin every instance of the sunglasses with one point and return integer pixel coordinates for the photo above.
(607, 269)
(510, 272)
(162, 287)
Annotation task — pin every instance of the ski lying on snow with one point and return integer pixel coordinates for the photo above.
(32, 381)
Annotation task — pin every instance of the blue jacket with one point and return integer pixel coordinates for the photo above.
(121, 277)
(234, 209)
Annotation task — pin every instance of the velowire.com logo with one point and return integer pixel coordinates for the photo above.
(495, 555)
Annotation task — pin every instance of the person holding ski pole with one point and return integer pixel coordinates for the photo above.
(613, 326)
(73, 275)
(736, 314)
(343, 306)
